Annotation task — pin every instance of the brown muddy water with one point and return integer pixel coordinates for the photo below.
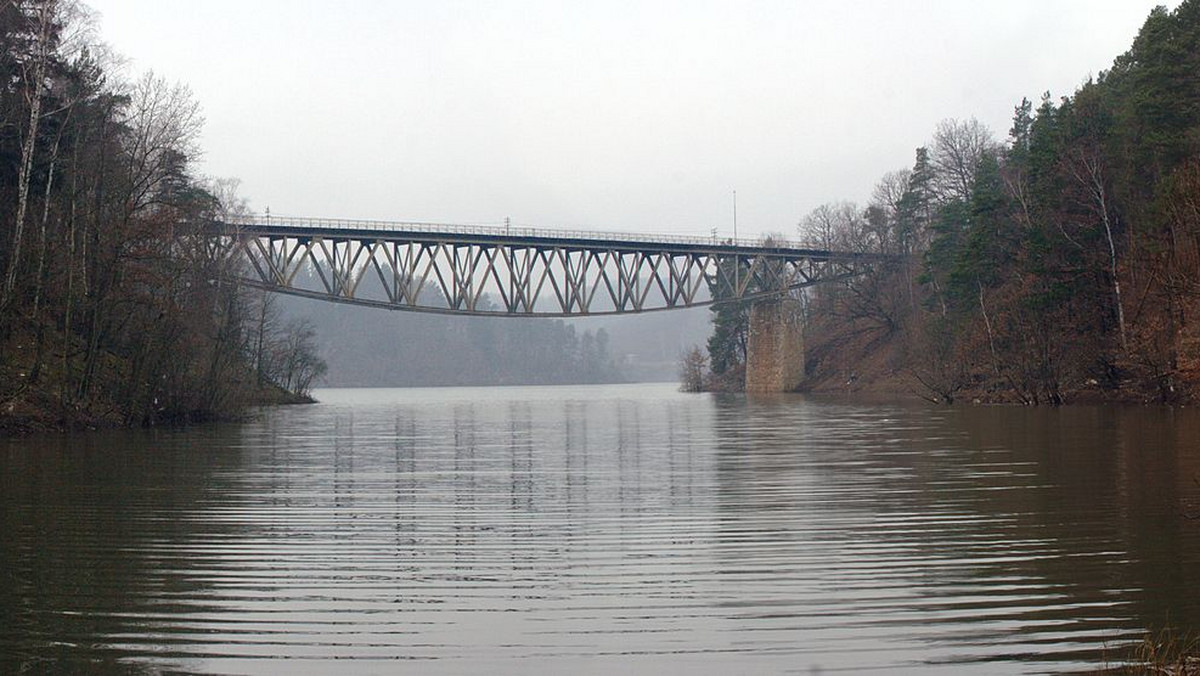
(603, 529)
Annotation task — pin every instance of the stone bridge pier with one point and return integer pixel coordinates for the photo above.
(774, 346)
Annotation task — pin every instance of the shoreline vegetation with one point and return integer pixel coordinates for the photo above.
(1060, 265)
(116, 309)
(1162, 652)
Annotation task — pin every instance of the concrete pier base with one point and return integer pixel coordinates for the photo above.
(774, 347)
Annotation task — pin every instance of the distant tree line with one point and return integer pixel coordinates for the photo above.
(1060, 263)
(114, 307)
(370, 347)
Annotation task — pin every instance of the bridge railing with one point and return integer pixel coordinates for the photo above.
(269, 220)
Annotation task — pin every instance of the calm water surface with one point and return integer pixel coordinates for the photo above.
(614, 529)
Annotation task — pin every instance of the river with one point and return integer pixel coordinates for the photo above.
(602, 529)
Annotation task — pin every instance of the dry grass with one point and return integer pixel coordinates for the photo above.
(1166, 652)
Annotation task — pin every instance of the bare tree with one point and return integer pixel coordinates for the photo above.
(936, 364)
(157, 131)
(299, 363)
(59, 31)
(958, 146)
(164, 123)
(890, 190)
(229, 201)
(828, 226)
(1087, 169)
(35, 80)
(265, 315)
(693, 369)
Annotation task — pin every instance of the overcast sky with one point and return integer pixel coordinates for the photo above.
(640, 116)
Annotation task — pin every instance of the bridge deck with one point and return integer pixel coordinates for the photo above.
(287, 226)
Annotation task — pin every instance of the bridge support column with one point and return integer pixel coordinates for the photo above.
(774, 346)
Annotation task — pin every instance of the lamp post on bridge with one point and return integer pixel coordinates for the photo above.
(735, 237)
(737, 264)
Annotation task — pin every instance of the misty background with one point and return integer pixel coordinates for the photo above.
(641, 116)
(369, 347)
(629, 116)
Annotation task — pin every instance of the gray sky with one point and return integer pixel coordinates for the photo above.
(641, 116)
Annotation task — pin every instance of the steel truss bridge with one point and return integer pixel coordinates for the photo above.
(498, 270)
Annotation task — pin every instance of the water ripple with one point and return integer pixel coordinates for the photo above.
(614, 529)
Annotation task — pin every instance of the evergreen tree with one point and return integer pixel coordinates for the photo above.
(730, 318)
(915, 208)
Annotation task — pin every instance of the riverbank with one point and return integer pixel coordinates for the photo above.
(847, 360)
(47, 400)
(35, 410)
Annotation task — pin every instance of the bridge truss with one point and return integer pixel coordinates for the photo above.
(482, 270)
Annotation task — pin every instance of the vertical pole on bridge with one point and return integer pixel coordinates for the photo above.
(736, 263)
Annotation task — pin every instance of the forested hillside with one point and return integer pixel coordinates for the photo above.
(1059, 264)
(113, 308)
